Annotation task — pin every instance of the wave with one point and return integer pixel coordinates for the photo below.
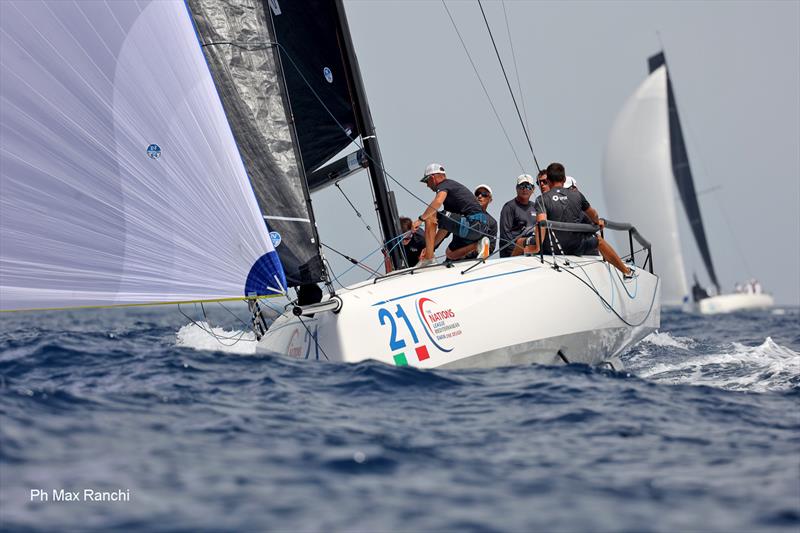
(764, 368)
(659, 338)
(205, 337)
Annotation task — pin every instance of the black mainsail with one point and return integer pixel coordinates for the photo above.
(683, 172)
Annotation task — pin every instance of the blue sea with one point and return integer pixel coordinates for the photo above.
(701, 432)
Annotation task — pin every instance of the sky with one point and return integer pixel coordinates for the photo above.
(735, 68)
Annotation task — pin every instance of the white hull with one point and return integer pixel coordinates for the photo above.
(504, 312)
(729, 303)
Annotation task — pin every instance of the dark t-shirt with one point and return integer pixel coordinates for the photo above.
(567, 205)
(414, 247)
(514, 218)
(492, 223)
(459, 199)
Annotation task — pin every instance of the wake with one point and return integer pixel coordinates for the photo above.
(734, 366)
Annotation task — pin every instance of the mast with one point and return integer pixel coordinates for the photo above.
(384, 204)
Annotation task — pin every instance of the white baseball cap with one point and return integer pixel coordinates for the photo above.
(431, 169)
(570, 182)
(482, 186)
(525, 178)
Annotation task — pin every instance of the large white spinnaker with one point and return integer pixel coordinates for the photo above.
(121, 179)
(638, 180)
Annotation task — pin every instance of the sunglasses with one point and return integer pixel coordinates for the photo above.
(483, 194)
(543, 182)
(526, 186)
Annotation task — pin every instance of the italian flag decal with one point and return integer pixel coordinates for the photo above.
(421, 352)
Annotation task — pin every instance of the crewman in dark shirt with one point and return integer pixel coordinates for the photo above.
(517, 215)
(483, 193)
(413, 241)
(462, 216)
(570, 205)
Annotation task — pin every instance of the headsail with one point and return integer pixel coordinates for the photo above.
(121, 179)
(683, 172)
(638, 182)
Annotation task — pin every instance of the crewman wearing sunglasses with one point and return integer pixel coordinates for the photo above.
(517, 215)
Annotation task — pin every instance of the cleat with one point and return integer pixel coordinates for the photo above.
(483, 248)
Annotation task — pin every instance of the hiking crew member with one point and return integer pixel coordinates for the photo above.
(462, 216)
(483, 193)
(570, 205)
(517, 215)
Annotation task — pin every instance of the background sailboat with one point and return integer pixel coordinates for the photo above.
(646, 165)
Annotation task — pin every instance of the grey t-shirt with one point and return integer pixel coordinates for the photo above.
(514, 218)
(567, 205)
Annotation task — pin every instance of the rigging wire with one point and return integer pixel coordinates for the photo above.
(516, 70)
(485, 91)
(508, 83)
(355, 262)
(369, 228)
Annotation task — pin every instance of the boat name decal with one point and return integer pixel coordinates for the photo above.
(440, 325)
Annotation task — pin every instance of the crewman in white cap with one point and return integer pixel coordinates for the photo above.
(517, 216)
(462, 216)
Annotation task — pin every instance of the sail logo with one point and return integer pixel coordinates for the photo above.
(275, 7)
(440, 324)
(328, 74)
(154, 151)
(276, 239)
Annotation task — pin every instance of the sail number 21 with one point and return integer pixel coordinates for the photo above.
(394, 343)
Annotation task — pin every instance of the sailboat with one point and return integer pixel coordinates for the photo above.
(646, 165)
(161, 152)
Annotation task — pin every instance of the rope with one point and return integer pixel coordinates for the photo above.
(218, 338)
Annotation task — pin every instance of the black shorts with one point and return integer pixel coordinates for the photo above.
(588, 246)
(464, 231)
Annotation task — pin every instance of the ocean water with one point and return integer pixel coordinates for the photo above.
(701, 432)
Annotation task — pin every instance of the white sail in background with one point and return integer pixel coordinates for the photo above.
(121, 180)
(638, 180)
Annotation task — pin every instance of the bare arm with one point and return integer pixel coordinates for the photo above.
(591, 212)
(540, 232)
(432, 208)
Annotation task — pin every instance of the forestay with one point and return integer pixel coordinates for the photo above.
(121, 179)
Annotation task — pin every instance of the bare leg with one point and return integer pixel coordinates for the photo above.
(461, 252)
(519, 247)
(611, 256)
(431, 227)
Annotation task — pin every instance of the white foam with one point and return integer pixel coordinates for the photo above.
(665, 339)
(216, 339)
(767, 367)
